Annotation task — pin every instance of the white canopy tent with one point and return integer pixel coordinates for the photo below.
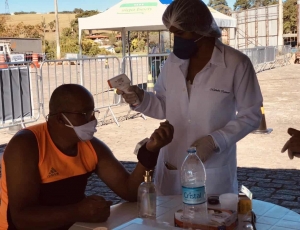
(138, 15)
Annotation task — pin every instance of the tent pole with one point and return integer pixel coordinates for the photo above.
(129, 54)
(148, 43)
(123, 34)
(80, 56)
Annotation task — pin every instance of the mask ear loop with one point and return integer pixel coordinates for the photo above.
(199, 39)
(70, 124)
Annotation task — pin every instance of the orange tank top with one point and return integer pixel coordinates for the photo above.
(63, 178)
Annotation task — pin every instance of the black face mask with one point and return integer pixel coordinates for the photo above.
(185, 48)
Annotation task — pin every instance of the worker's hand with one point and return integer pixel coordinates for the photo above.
(161, 137)
(94, 209)
(205, 147)
(134, 95)
(293, 144)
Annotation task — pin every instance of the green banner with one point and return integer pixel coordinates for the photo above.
(137, 8)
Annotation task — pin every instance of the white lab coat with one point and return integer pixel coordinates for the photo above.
(225, 103)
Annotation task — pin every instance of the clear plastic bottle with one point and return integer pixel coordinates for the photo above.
(147, 198)
(193, 178)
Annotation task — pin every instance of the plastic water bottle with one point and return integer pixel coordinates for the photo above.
(193, 177)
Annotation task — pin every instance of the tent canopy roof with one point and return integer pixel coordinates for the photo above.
(139, 15)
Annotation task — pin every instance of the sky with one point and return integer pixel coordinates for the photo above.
(68, 5)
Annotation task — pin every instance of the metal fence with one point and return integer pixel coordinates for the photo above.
(19, 97)
(93, 73)
(143, 68)
(264, 58)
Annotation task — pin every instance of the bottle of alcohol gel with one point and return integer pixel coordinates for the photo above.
(147, 198)
(193, 177)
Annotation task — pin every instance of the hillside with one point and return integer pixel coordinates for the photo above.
(33, 19)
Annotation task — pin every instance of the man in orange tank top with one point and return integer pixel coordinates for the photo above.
(45, 167)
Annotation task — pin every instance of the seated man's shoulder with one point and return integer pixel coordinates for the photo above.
(23, 144)
(100, 147)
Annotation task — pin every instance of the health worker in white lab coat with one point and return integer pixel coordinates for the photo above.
(209, 92)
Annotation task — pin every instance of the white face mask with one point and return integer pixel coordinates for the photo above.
(84, 132)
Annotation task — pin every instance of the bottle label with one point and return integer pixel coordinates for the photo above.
(193, 196)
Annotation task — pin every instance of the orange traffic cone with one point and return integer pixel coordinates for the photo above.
(3, 64)
(35, 60)
(262, 129)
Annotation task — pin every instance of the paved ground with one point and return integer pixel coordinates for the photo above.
(262, 168)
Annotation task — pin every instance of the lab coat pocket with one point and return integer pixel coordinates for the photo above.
(219, 180)
(170, 184)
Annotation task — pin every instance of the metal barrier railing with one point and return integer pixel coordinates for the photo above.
(142, 68)
(92, 73)
(264, 58)
(19, 97)
(23, 102)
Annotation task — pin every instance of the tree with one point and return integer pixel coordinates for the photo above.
(220, 5)
(290, 16)
(51, 24)
(78, 11)
(88, 13)
(112, 38)
(260, 3)
(242, 5)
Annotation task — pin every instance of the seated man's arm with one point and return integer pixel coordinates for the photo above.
(115, 176)
(21, 159)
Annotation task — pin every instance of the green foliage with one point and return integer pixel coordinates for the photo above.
(134, 43)
(78, 11)
(260, 3)
(66, 12)
(242, 5)
(141, 45)
(118, 50)
(22, 12)
(290, 16)
(220, 5)
(51, 24)
(112, 38)
(86, 13)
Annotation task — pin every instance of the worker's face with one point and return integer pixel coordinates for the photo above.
(183, 34)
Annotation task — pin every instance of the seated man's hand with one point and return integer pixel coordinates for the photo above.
(94, 209)
(135, 94)
(293, 144)
(161, 137)
(205, 147)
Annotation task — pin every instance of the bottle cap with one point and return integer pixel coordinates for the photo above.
(147, 177)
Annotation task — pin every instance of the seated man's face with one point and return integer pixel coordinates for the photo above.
(82, 111)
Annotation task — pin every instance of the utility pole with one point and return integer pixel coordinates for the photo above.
(44, 27)
(280, 24)
(57, 31)
(298, 23)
